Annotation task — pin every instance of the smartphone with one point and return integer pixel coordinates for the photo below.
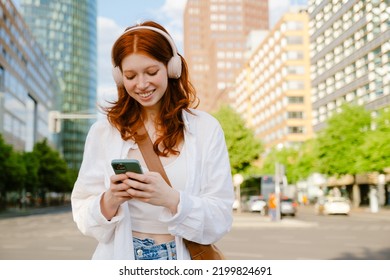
(126, 165)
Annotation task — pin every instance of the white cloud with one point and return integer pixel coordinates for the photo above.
(108, 32)
(171, 16)
(276, 10)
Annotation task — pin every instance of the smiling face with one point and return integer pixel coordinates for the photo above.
(145, 79)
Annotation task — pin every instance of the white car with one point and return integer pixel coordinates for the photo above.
(333, 205)
(255, 204)
(258, 206)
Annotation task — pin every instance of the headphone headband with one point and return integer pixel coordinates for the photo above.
(162, 32)
(174, 64)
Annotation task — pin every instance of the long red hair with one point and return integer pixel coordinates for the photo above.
(125, 113)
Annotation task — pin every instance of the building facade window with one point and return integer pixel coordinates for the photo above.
(295, 129)
(295, 115)
(295, 99)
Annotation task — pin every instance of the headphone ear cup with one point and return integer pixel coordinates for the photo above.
(174, 67)
(117, 75)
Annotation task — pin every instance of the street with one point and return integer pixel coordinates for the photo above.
(360, 236)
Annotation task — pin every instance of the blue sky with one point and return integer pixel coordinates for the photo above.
(126, 12)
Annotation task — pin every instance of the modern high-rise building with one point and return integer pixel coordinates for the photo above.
(215, 34)
(350, 55)
(67, 32)
(28, 84)
(272, 90)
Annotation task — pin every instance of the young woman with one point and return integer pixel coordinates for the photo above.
(139, 216)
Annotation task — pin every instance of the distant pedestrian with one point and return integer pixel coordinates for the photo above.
(272, 206)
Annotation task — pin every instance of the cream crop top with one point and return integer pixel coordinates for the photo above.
(144, 216)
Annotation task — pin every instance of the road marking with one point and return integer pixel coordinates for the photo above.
(58, 248)
(292, 241)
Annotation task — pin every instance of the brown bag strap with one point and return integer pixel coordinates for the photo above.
(152, 160)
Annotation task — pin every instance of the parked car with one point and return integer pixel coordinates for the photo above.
(288, 206)
(333, 205)
(255, 204)
(258, 206)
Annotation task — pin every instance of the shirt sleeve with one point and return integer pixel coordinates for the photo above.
(89, 187)
(206, 215)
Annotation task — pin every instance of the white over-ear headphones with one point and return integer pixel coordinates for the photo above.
(174, 64)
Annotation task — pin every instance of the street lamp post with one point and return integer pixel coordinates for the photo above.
(237, 181)
(279, 177)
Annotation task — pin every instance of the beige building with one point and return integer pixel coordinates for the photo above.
(215, 33)
(350, 55)
(272, 91)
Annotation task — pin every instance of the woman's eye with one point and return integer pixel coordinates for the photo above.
(129, 77)
(153, 73)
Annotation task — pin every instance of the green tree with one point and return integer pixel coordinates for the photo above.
(32, 167)
(273, 156)
(17, 172)
(340, 142)
(242, 145)
(307, 161)
(53, 173)
(12, 171)
(374, 152)
(299, 161)
(286, 156)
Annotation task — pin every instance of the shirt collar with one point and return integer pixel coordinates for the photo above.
(187, 125)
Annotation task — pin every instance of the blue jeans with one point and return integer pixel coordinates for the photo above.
(272, 213)
(146, 249)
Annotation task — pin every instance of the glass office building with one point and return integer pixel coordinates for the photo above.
(350, 55)
(67, 32)
(28, 85)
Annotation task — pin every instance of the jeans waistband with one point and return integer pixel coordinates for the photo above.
(147, 249)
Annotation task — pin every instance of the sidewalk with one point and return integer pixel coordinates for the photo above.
(384, 212)
(241, 218)
(17, 212)
(253, 220)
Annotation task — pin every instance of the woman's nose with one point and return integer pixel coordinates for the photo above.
(142, 82)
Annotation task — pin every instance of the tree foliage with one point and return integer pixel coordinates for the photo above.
(348, 145)
(6, 152)
(41, 170)
(52, 171)
(374, 153)
(296, 160)
(242, 145)
(339, 143)
(32, 165)
(307, 161)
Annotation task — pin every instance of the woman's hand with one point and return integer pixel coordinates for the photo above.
(152, 188)
(114, 196)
